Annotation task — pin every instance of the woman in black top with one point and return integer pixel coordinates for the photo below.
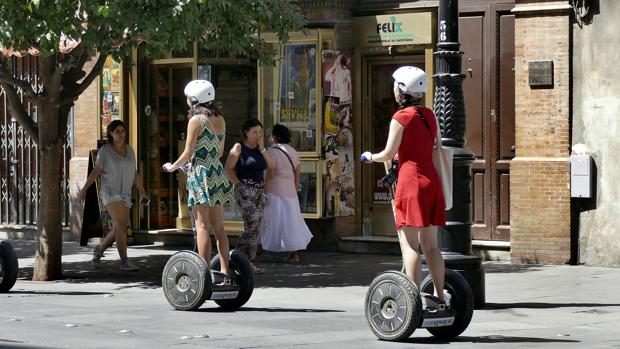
(245, 167)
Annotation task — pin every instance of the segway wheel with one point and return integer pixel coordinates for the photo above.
(186, 280)
(8, 267)
(393, 306)
(241, 273)
(462, 302)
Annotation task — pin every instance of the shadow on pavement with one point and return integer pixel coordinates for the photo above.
(539, 305)
(58, 293)
(317, 269)
(268, 310)
(10, 344)
(506, 267)
(488, 340)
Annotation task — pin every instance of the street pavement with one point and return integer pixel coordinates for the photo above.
(315, 304)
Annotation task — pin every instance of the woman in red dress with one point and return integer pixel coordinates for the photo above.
(419, 201)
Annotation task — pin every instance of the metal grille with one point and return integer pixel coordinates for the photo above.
(19, 167)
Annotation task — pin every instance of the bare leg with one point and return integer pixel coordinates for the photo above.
(120, 218)
(410, 246)
(203, 240)
(434, 259)
(216, 216)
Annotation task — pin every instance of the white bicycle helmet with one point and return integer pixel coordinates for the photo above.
(410, 79)
(199, 92)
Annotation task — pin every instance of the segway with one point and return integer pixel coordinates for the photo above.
(395, 307)
(188, 281)
(8, 267)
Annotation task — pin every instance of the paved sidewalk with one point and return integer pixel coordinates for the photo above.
(315, 304)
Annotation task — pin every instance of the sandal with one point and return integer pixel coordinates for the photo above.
(293, 257)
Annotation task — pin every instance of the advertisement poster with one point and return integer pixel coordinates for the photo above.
(110, 93)
(338, 142)
(297, 86)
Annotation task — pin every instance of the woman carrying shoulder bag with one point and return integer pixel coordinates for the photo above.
(283, 228)
(419, 201)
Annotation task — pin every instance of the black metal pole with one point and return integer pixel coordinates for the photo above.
(449, 107)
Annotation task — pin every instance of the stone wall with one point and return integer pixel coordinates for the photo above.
(596, 123)
(540, 172)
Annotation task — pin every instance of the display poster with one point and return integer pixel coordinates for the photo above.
(297, 104)
(338, 141)
(111, 96)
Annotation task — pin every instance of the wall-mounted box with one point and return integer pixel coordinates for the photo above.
(540, 74)
(580, 176)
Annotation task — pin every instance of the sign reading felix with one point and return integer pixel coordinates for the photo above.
(396, 29)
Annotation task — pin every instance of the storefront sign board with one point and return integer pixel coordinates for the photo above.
(394, 29)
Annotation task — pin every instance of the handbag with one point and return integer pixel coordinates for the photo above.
(442, 160)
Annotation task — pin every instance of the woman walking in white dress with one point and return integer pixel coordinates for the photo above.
(283, 228)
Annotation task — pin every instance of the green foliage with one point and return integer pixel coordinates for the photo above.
(115, 26)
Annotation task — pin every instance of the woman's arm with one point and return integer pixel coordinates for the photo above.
(297, 173)
(271, 169)
(193, 129)
(393, 142)
(138, 183)
(89, 181)
(223, 142)
(231, 163)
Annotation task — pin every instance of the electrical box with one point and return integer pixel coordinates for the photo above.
(580, 176)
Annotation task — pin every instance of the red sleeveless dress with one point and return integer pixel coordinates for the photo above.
(418, 199)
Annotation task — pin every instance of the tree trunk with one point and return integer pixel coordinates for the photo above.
(49, 238)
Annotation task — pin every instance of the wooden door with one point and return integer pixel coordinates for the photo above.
(486, 34)
(378, 95)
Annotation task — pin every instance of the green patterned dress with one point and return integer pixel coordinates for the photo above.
(207, 183)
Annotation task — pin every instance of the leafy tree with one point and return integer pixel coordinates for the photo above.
(109, 28)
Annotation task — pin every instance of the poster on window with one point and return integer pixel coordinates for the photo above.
(111, 97)
(297, 105)
(338, 141)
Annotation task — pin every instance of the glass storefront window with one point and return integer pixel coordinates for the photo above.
(309, 182)
(235, 89)
(290, 94)
(110, 94)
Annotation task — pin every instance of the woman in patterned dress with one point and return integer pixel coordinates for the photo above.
(209, 188)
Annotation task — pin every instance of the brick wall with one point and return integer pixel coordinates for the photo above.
(540, 172)
(86, 117)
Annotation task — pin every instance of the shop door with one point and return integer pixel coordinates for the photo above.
(162, 139)
(379, 106)
(487, 40)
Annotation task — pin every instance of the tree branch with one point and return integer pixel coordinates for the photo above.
(18, 112)
(7, 78)
(97, 69)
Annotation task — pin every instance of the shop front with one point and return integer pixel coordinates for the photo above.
(383, 43)
(336, 102)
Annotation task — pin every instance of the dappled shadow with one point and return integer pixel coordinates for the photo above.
(488, 340)
(27, 248)
(507, 267)
(317, 269)
(541, 305)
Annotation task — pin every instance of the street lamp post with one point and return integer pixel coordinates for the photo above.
(449, 107)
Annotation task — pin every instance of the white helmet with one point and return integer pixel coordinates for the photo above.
(410, 79)
(199, 92)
